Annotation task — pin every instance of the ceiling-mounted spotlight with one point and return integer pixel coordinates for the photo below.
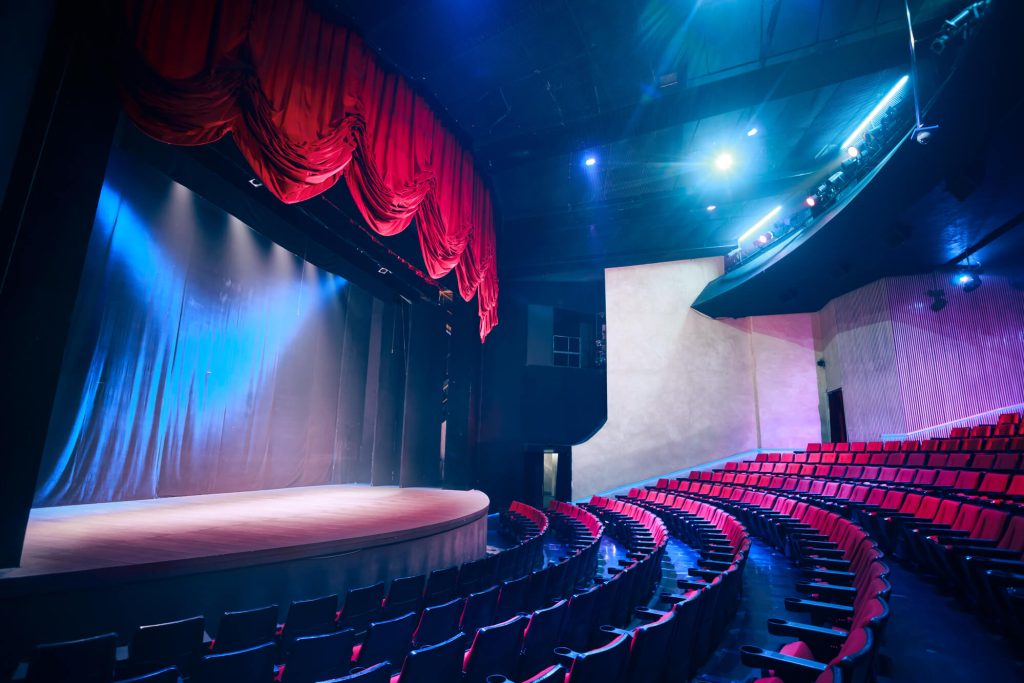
(724, 161)
(938, 299)
(968, 280)
(590, 161)
(852, 151)
(811, 201)
(752, 132)
(711, 207)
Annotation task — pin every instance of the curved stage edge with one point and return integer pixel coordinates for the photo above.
(91, 569)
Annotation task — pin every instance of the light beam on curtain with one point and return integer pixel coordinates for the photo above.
(307, 103)
(202, 358)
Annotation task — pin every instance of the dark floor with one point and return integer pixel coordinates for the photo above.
(930, 638)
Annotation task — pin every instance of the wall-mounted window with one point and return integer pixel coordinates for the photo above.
(566, 351)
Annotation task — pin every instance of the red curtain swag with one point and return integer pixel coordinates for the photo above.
(307, 102)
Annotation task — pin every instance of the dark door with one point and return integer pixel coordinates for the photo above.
(836, 416)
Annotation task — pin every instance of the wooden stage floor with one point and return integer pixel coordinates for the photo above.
(229, 528)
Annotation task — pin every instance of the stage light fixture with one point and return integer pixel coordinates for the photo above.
(760, 224)
(879, 108)
(938, 299)
(724, 161)
(810, 201)
(968, 280)
(765, 238)
(711, 207)
(852, 151)
(591, 161)
(752, 132)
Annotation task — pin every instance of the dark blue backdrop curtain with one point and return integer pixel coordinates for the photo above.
(203, 357)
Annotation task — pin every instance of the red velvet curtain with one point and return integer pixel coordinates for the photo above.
(307, 102)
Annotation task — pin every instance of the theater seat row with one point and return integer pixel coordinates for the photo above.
(317, 640)
(845, 590)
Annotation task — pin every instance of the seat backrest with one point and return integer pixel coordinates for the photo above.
(310, 617)
(605, 663)
(175, 643)
(441, 663)
(387, 640)
(1013, 536)
(438, 623)
(168, 675)
(245, 629)
(648, 649)
(317, 658)
(441, 585)
(89, 660)
(947, 512)
(405, 595)
(362, 605)
(994, 482)
(254, 665)
(479, 610)
(495, 650)
(512, 596)
(378, 673)
(989, 524)
(541, 636)
(580, 616)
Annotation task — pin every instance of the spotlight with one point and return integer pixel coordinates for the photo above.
(724, 161)
(968, 280)
(879, 108)
(938, 299)
(711, 207)
(765, 238)
(760, 224)
(591, 161)
(810, 201)
(752, 132)
(853, 152)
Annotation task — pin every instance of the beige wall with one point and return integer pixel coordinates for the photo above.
(684, 389)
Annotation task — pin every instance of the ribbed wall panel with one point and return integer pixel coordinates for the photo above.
(859, 352)
(963, 360)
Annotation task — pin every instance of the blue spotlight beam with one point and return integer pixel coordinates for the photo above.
(760, 224)
(879, 108)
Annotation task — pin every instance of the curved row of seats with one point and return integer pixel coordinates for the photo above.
(964, 527)
(597, 645)
(845, 591)
(709, 596)
(317, 640)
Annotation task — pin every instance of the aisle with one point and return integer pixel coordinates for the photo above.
(768, 580)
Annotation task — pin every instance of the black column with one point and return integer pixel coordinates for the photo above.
(421, 433)
(46, 221)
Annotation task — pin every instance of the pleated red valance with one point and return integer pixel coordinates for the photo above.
(307, 102)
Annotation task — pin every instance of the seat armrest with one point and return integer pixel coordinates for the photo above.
(648, 614)
(832, 576)
(844, 594)
(825, 562)
(806, 632)
(815, 607)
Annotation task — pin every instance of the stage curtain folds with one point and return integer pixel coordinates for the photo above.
(307, 103)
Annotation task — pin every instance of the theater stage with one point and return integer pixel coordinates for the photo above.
(117, 565)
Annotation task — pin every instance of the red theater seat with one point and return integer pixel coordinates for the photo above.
(387, 640)
(495, 650)
(255, 664)
(89, 660)
(318, 658)
(441, 663)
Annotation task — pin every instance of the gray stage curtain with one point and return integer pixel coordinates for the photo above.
(203, 357)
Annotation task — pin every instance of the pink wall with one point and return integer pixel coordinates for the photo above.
(904, 367)
(968, 358)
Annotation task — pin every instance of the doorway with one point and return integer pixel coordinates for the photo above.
(836, 416)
